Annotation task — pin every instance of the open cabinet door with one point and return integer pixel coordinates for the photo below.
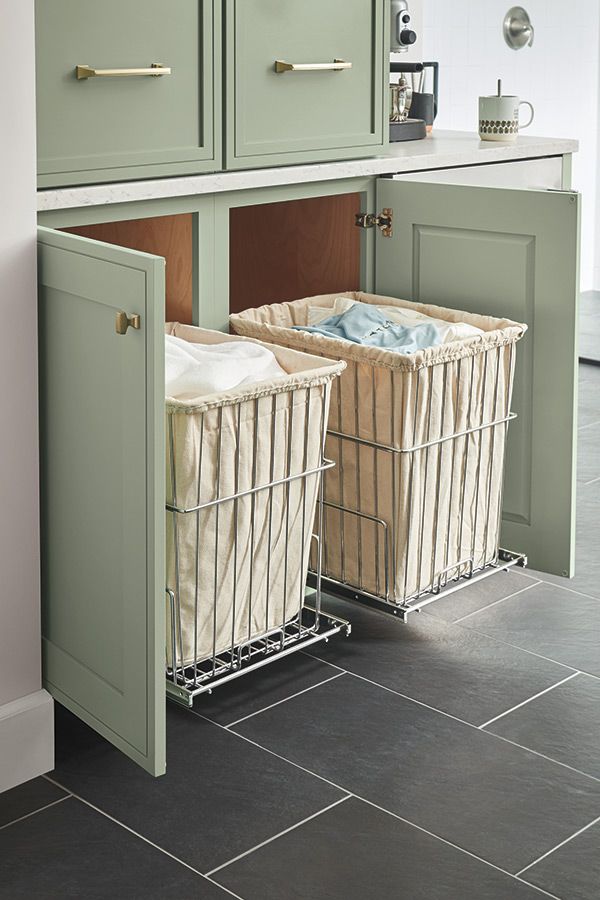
(514, 254)
(102, 483)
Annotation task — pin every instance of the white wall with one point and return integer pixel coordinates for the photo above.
(558, 74)
(25, 711)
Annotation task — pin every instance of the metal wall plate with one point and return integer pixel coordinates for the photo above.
(517, 28)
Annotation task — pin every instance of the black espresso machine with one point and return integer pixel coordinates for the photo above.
(412, 109)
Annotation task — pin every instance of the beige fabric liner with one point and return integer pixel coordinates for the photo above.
(235, 568)
(440, 506)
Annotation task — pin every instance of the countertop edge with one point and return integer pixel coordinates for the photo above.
(442, 151)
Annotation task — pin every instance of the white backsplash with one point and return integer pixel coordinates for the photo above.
(559, 74)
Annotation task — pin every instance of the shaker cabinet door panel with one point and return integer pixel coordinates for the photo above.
(312, 111)
(102, 474)
(110, 126)
(507, 253)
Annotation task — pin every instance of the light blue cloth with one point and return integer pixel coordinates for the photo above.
(365, 324)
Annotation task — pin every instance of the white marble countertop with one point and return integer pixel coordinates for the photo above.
(441, 150)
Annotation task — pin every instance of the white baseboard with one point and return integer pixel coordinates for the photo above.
(26, 739)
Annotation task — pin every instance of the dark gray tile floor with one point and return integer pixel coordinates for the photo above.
(241, 698)
(563, 723)
(457, 606)
(451, 668)
(235, 795)
(550, 620)
(354, 847)
(70, 850)
(425, 767)
(455, 757)
(28, 798)
(573, 870)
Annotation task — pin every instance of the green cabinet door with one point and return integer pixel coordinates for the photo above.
(510, 253)
(102, 484)
(113, 127)
(304, 115)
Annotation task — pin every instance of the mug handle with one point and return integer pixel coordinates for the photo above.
(526, 103)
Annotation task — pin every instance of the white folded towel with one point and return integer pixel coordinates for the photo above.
(449, 331)
(194, 370)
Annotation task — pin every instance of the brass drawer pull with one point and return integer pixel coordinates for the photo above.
(338, 65)
(123, 322)
(155, 71)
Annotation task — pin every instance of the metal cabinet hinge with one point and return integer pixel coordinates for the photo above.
(383, 221)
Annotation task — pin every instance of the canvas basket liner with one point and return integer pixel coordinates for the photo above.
(220, 558)
(441, 505)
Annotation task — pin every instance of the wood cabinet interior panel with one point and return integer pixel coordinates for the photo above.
(285, 251)
(167, 236)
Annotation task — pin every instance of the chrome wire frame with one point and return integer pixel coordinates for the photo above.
(465, 445)
(309, 624)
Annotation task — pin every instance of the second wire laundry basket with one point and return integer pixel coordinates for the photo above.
(413, 507)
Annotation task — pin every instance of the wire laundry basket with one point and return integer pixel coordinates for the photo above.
(245, 507)
(416, 510)
(413, 507)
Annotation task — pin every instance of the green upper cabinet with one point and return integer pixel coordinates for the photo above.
(114, 127)
(278, 115)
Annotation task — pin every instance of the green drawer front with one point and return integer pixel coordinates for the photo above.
(115, 128)
(304, 116)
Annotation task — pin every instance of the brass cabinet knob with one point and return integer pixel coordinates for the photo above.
(123, 322)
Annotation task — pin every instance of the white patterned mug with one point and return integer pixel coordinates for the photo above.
(499, 117)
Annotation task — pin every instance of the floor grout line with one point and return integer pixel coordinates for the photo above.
(471, 725)
(500, 600)
(280, 834)
(451, 844)
(490, 734)
(248, 740)
(285, 699)
(223, 888)
(537, 888)
(434, 709)
(375, 805)
(499, 640)
(491, 638)
(570, 590)
(327, 663)
(558, 846)
(529, 699)
(395, 815)
(34, 812)
(347, 793)
(126, 827)
(533, 652)
(412, 700)
(551, 759)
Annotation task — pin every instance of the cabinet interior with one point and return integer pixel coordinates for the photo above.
(277, 251)
(167, 236)
(293, 249)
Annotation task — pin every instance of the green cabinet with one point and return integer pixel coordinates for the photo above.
(304, 81)
(513, 253)
(109, 126)
(503, 251)
(102, 483)
(133, 89)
